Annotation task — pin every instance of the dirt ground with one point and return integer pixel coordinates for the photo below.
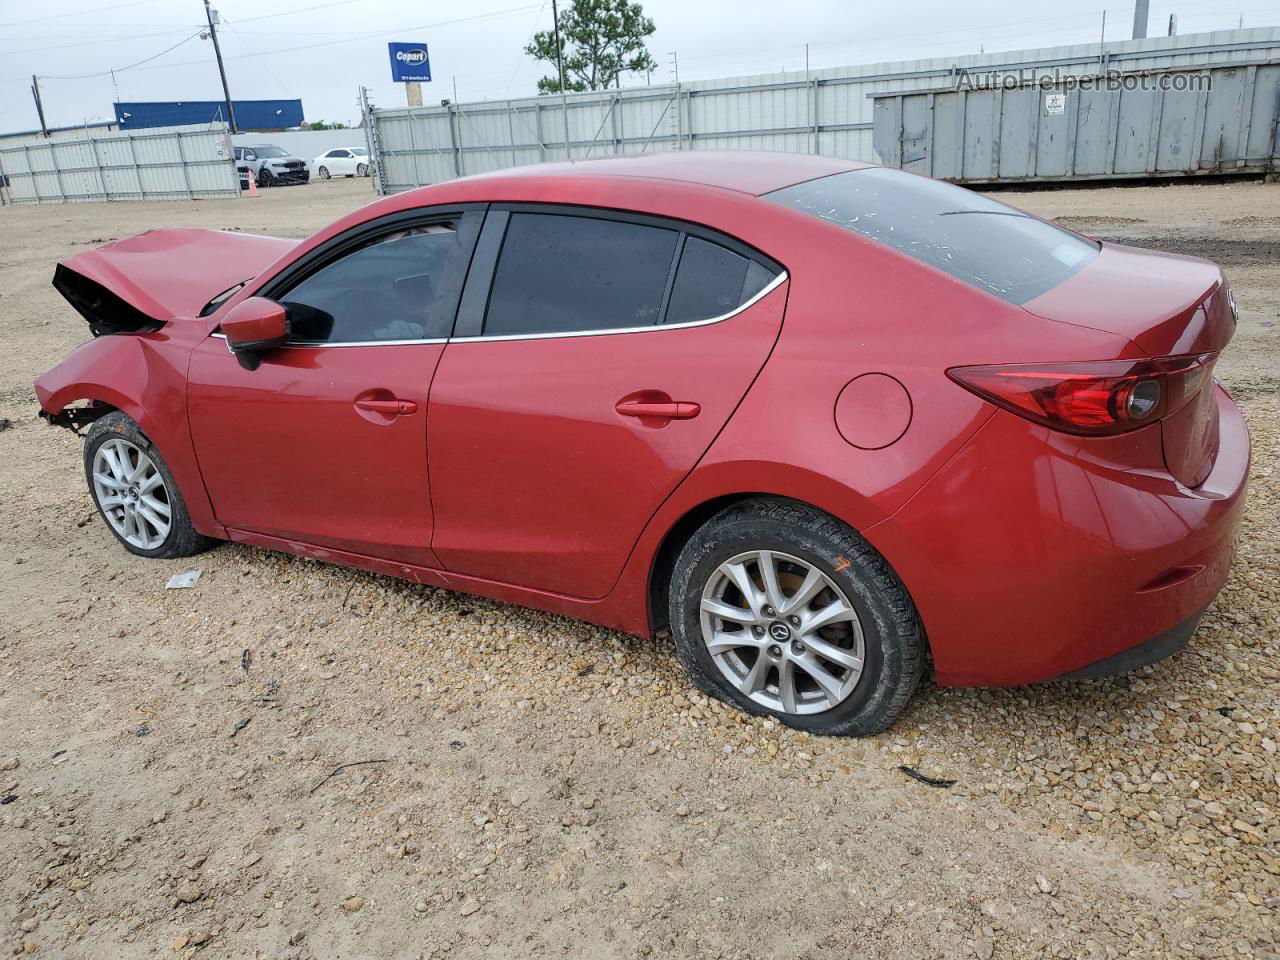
(537, 787)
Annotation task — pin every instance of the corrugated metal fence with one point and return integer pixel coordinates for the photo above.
(825, 111)
(160, 163)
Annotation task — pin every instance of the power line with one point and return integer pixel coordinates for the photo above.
(86, 76)
(76, 13)
(99, 41)
(352, 38)
(262, 61)
(286, 13)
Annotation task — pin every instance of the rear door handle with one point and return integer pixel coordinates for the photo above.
(391, 408)
(668, 410)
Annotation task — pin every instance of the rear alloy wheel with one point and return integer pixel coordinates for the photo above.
(324, 173)
(781, 609)
(135, 493)
(362, 169)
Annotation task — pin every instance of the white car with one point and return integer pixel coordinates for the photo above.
(342, 162)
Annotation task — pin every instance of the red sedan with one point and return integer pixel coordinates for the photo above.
(822, 419)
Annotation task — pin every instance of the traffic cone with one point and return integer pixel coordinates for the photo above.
(253, 184)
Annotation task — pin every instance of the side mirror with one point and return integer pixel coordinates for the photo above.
(254, 326)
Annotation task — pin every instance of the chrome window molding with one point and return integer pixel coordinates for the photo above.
(309, 344)
(648, 328)
(562, 335)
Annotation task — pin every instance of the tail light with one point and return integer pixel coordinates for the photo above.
(1096, 398)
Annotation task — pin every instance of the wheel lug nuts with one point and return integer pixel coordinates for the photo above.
(768, 611)
(795, 621)
(797, 647)
(775, 651)
(758, 631)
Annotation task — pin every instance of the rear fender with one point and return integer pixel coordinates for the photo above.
(145, 377)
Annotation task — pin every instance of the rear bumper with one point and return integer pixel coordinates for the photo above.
(1033, 555)
(1160, 647)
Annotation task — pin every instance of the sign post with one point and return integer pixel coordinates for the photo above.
(411, 66)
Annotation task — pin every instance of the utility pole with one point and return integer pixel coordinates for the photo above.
(217, 52)
(35, 92)
(564, 100)
(1140, 13)
(1102, 43)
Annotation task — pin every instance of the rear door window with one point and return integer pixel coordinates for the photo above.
(978, 240)
(568, 274)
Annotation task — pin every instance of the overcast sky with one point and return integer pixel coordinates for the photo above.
(322, 50)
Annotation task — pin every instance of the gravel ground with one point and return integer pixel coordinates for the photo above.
(535, 787)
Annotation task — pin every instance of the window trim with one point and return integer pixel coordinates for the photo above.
(647, 328)
(474, 303)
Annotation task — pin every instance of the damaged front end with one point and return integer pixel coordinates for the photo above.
(76, 419)
(105, 311)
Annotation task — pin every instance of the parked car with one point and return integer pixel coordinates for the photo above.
(271, 166)
(820, 418)
(342, 162)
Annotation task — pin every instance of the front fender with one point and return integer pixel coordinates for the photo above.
(145, 377)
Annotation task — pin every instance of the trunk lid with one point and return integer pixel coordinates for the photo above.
(1168, 306)
(150, 279)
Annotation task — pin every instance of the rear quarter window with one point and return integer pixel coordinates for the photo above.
(978, 240)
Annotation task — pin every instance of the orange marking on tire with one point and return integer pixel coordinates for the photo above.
(843, 564)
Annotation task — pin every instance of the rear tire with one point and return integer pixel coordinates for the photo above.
(853, 650)
(132, 488)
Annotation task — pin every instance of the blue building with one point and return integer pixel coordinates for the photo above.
(251, 115)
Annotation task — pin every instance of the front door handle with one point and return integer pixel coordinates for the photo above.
(664, 410)
(392, 408)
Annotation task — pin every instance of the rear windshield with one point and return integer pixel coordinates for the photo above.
(984, 243)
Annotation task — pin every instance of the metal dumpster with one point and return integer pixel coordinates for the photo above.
(1159, 123)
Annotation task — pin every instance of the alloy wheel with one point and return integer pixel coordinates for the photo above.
(131, 493)
(782, 632)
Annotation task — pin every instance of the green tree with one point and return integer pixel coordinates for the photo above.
(600, 39)
(322, 125)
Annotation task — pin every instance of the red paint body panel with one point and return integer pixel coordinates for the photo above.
(1029, 553)
(286, 451)
(174, 273)
(145, 375)
(255, 321)
(537, 479)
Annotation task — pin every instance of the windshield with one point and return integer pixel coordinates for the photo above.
(269, 152)
(984, 243)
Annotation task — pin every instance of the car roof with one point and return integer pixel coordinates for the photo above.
(748, 171)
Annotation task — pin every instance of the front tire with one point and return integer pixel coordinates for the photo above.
(135, 493)
(782, 610)
(266, 178)
(362, 169)
(324, 173)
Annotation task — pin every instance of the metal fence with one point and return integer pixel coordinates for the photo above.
(160, 163)
(824, 111)
(1157, 124)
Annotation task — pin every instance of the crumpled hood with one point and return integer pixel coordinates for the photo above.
(163, 274)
